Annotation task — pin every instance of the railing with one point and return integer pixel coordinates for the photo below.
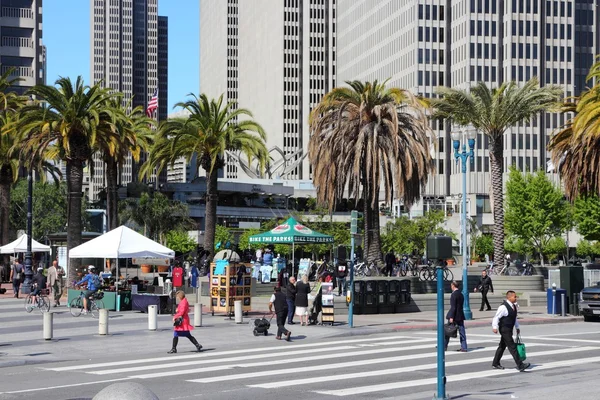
(26, 72)
(13, 12)
(591, 277)
(11, 41)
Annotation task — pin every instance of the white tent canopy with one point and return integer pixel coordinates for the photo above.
(20, 246)
(121, 242)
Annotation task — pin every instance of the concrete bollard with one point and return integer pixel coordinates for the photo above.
(152, 320)
(103, 322)
(563, 311)
(197, 314)
(239, 315)
(48, 322)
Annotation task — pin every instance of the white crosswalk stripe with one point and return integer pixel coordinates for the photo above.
(378, 365)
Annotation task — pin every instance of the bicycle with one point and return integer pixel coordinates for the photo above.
(407, 265)
(95, 304)
(505, 270)
(362, 270)
(42, 302)
(429, 273)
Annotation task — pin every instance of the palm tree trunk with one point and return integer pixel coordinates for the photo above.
(371, 240)
(74, 188)
(497, 170)
(112, 197)
(6, 177)
(211, 210)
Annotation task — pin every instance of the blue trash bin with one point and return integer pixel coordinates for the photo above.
(558, 305)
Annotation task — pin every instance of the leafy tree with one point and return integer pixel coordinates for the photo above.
(586, 214)
(588, 249)
(482, 245)
(68, 118)
(492, 112)
(555, 247)
(244, 239)
(518, 245)
(49, 208)
(155, 215)
(365, 136)
(535, 211)
(212, 129)
(180, 242)
(222, 236)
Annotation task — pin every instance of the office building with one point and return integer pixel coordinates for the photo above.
(423, 44)
(277, 59)
(128, 54)
(22, 49)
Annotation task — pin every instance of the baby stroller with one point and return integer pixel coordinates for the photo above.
(261, 326)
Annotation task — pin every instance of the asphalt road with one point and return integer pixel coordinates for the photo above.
(315, 365)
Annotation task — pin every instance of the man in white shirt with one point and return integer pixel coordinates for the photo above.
(504, 322)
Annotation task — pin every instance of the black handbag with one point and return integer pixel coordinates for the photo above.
(179, 320)
(450, 330)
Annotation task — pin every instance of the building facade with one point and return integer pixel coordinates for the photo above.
(277, 59)
(128, 54)
(423, 44)
(21, 42)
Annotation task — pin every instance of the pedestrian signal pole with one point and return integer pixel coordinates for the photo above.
(354, 215)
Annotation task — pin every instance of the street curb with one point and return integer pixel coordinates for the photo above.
(431, 327)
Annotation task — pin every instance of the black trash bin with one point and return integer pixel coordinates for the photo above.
(394, 294)
(359, 297)
(383, 305)
(405, 291)
(371, 298)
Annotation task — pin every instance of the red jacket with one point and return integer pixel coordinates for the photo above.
(182, 311)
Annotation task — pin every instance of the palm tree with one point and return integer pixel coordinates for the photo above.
(69, 118)
(213, 127)
(493, 111)
(575, 147)
(364, 136)
(130, 133)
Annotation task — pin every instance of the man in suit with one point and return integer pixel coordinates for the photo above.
(485, 285)
(281, 310)
(504, 322)
(456, 316)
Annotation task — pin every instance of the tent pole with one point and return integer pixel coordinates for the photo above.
(293, 259)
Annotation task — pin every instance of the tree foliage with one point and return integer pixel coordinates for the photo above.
(586, 215)
(482, 245)
(535, 211)
(180, 242)
(244, 240)
(222, 237)
(588, 249)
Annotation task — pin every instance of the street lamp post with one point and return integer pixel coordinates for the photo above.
(462, 156)
(26, 288)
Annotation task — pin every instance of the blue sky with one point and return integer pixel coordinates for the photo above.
(66, 33)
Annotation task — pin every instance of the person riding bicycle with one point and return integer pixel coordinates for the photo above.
(93, 284)
(38, 284)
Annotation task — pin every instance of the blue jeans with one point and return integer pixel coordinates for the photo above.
(342, 285)
(463, 336)
(291, 310)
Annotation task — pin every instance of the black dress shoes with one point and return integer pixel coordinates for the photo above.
(524, 366)
(497, 366)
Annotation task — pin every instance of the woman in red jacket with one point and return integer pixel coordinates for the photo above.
(183, 328)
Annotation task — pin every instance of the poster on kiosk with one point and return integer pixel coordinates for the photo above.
(327, 294)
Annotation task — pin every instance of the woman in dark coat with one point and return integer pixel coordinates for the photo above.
(302, 291)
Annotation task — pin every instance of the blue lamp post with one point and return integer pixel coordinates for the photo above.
(463, 156)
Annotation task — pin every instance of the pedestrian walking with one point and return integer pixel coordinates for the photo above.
(181, 323)
(456, 316)
(390, 258)
(53, 283)
(16, 276)
(302, 291)
(290, 298)
(340, 278)
(504, 322)
(279, 301)
(484, 285)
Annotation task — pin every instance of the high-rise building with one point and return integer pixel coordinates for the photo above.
(423, 44)
(21, 42)
(129, 55)
(275, 58)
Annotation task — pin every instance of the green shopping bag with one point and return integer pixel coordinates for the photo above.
(521, 348)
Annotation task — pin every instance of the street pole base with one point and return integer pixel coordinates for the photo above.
(436, 397)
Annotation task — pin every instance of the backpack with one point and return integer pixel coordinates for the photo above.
(96, 281)
(18, 271)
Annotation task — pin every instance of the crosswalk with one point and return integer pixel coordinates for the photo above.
(349, 367)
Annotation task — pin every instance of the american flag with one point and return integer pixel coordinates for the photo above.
(152, 104)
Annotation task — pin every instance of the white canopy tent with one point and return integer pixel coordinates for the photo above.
(20, 246)
(121, 242)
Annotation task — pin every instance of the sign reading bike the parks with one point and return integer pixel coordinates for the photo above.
(291, 231)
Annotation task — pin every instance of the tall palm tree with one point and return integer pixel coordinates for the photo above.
(129, 132)
(69, 118)
(213, 127)
(364, 136)
(576, 146)
(492, 112)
